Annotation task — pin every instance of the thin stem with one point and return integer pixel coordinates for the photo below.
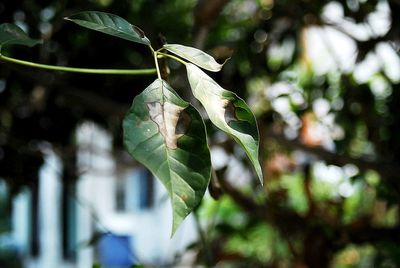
(172, 57)
(155, 54)
(207, 253)
(79, 70)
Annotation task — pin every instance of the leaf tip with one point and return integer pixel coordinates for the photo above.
(260, 175)
(225, 61)
(175, 224)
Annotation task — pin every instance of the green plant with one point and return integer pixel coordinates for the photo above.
(161, 130)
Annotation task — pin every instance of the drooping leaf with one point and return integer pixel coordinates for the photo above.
(228, 112)
(11, 34)
(167, 135)
(110, 24)
(196, 56)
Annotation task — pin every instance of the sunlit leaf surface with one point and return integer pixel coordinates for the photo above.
(228, 112)
(167, 135)
(110, 24)
(195, 56)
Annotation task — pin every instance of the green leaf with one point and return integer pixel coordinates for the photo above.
(195, 56)
(228, 112)
(167, 135)
(110, 24)
(11, 34)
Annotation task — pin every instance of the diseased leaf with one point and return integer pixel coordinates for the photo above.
(110, 24)
(167, 135)
(195, 56)
(228, 112)
(11, 34)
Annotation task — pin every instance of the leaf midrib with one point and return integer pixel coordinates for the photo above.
(106, 27)
(173, 194)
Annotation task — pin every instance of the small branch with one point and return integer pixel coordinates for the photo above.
(172, 57)
(287, 221)
(206, 248)
(333, 158)
(79, 70)
(155, 55)
(245, 202)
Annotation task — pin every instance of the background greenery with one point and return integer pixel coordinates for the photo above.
(299, 218)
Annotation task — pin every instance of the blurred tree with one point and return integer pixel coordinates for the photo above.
(322, 76)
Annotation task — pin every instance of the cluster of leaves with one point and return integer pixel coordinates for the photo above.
(161, 130)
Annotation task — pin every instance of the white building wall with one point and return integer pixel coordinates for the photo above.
(150, 229)
(20, 218)
(95, 198)
(49, 210)
(96, 186)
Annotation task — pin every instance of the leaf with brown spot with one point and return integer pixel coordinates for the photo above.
(166, 117)
(228, 112)
(167, 135)
(139, 31)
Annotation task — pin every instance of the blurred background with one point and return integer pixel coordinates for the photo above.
(322, 78)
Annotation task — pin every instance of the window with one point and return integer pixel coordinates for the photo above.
(135, 190)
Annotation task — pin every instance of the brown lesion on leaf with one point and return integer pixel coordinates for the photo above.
(139, 31)
(183, 124)
(184, 197)
(172, 120)
(230, 113)
(233, 118)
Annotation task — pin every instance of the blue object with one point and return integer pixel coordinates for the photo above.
(115, 251)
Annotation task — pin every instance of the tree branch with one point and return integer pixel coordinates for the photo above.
(385, 169)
